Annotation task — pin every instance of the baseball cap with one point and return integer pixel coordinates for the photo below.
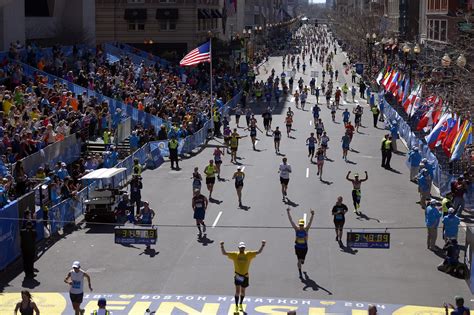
(301, 222)
(76, 264)
(451, 210)
(241, 245)
(102, 302)
(433, 201)
(356, 175)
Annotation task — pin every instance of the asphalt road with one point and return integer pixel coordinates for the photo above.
(404, 274)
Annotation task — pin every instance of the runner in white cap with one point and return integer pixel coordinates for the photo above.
(75, 279)
(241, 260)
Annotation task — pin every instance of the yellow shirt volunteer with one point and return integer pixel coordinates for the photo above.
(242, 261)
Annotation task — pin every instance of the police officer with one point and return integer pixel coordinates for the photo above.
(217, 123)
(173, 148)
(101, 303)
(386, 148)
(137, 168)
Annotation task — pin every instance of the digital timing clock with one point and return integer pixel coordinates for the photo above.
(136, 235)
(368, 240)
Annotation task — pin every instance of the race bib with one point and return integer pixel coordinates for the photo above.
(339, 217)
(199, 205)
(76, 284)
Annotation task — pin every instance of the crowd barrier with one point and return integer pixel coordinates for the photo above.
(441, 179)
(136, 59)
(143, 54)
(67, 151)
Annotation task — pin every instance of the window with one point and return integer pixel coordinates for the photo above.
(167, 1)
(437, 6)
(135, 26)
(437, 30)
(167, 25)
(135, 1)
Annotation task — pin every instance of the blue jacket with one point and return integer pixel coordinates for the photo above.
(451, 225)
(414, 158)
(432, 216)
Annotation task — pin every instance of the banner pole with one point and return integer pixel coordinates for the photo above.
(210, 76)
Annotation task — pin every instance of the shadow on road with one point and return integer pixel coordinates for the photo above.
(362, 216)
(347, 249)
(311, 284)
(291, 203)
(204, 240)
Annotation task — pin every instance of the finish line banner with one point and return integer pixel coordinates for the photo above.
(162, 304)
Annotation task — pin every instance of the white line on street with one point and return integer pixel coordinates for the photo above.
(307, 172)
(310, 122)
(256, 141)
(217, 219)
(304, 218)
(243, 168)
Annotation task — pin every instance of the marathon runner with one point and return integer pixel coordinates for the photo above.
(346, 140)
(301, 240)
(324, 143)
(197, 179)
(75, 279)
(356, 193)
(234, 144)
(288, 123)
(339, 211)
(320, 162)
(276, 139)
(210, 171)
(218, 161)
(284, 170)
(253, 132)
(239, 177)
(311, 143)
(199, 204)
(241, 260)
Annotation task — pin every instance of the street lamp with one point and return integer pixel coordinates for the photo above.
(370, 45)
(411, 55)
(247, 33)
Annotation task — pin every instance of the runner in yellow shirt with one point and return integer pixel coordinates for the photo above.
(210, 171)
(241, 260)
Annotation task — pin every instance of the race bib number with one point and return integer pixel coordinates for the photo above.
(76, 284)
(339, 217)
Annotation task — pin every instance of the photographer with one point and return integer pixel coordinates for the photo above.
(460, 309)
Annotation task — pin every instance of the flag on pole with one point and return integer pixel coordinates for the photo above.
(464, 138)
(450, 136)
(442, 124)
(197, 55)
(230, 7)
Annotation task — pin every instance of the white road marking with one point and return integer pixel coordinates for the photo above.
(217, 219)
(310, 122)
(304, 218)
(307, 172)
(256, 141)
(243, 168)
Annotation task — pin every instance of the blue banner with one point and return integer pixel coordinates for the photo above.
(9, 234)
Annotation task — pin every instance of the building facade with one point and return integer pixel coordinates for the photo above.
(46, 21)
(439, 19)
(165, 27)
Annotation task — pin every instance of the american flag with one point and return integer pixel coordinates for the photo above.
(197, 55)
(230, 7)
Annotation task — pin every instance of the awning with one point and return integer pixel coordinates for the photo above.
(135, 14)
(204, 14)
(167, 14)
(216, 14)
